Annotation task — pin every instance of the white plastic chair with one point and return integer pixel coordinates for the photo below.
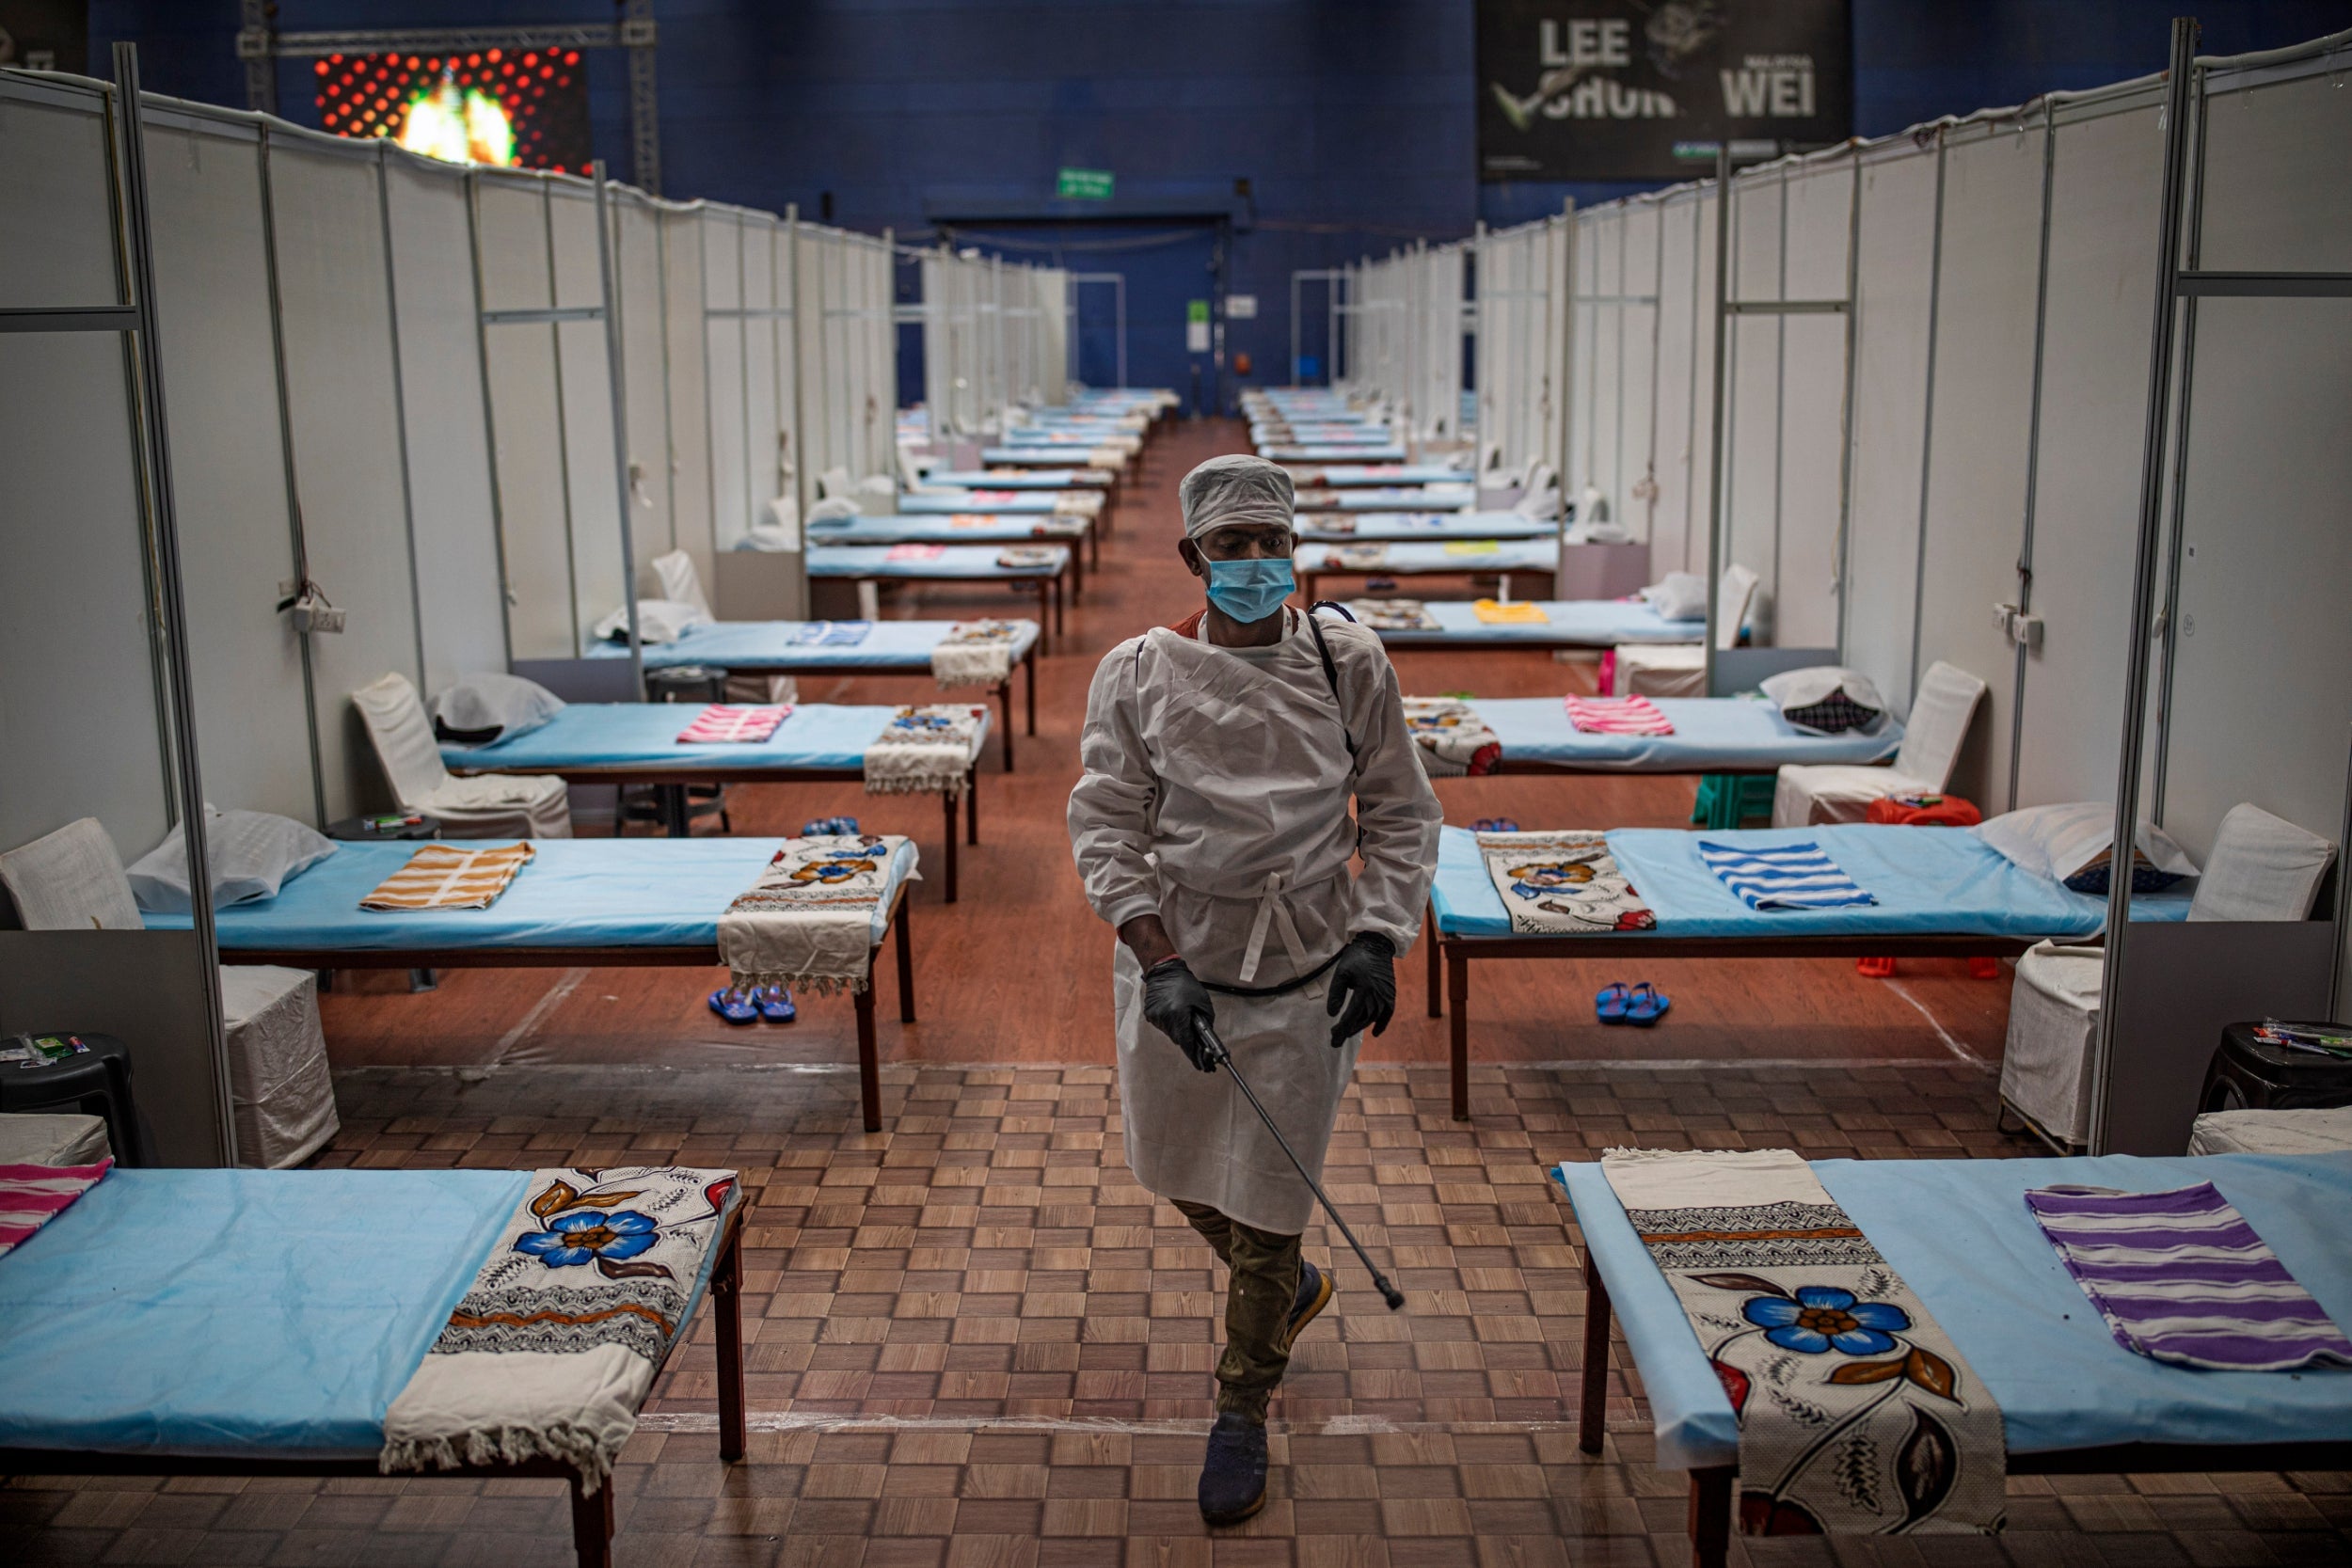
(680, 582)
(1680, 668)
(1835, 792)
(491, 805)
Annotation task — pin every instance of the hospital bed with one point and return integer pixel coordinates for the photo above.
(1567, 623)
(243, 1323)
(1057, 455)
(1001, 500)
(580, 903)
(958, 563)
(1381, 451)
(1354, 476)
(1018, 479)
(977, 526)
(1711, 734)
(636, 743)
(2073, 1401)
(1390, 527)
(1942, 893)
(1452, 557)
(1392, 497)
(774, 648)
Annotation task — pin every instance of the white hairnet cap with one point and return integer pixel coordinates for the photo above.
(1236, 488)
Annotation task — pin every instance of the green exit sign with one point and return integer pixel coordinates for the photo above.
(1087, 184)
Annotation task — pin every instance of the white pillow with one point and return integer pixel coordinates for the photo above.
(2070, 841)
(833, 509)
(1679, 597)
(251, 854)
(658, 621)
(1825, 698)
(489, 705)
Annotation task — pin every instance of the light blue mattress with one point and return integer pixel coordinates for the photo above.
(1959, 1233)
(999, 501)
(207, 1311)
(1927, 881)
(1711, 734)
(1386, 526)
(773, 644)
(1332, 452)
(577, 892)
(645, 734)
(1431, 558)
(1039, 457)
(1394, 497)
(1342, 475)
(960, 561)
(1572, 624)
(962, 528)
(1031, 479)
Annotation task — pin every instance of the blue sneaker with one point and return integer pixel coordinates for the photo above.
(1232, 1476)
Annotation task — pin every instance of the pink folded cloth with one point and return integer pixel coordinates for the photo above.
(32, 1196)
(719, 723)
(915, 552)
(1617, 716)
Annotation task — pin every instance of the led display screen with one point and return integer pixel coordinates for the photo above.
(519, 107)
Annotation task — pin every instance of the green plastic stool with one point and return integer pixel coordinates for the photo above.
(1726, 800)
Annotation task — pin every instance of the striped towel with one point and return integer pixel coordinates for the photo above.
(720, 723)
(32, 1196)
(2180, 1276)
(834, 633)
(915, 552)
(443, 877)
(1783, 875)
(1635, 715)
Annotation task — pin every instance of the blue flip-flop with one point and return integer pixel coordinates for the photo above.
(774, 1003)
(1649, 1004)
(734, 1006)
(1610, 1003)
(1495, 825)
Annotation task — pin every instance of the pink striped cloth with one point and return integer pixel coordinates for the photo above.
(719, 723)
(32, 1196)
(1617, 716)
(915, 552)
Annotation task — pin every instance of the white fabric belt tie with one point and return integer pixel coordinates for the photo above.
(1271, 912)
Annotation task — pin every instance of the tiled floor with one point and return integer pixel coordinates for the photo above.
(975, 1341)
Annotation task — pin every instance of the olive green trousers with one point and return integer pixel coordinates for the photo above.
(1261, 1284)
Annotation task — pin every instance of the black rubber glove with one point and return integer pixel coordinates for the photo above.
(1177, 1004)
(1363, 987)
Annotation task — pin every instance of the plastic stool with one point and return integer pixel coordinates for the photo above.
(102, 1075)
(1726, 800)
(2248, 1075)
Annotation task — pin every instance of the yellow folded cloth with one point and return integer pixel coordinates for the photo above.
(1471, 547)
(1523, 612)
(443, 877)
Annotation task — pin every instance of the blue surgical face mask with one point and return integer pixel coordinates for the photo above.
(1250, 590)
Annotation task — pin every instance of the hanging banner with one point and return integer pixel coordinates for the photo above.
(1625, 90)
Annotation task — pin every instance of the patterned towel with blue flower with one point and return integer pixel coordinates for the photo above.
(927, 749)
(1857, 1415)
(553, 1348)
(807, 921)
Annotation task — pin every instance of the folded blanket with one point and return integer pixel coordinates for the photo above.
(1472, 547)
(1078, 504)
(1562, 881)
(1392, 614)
(1341, 524)
(925, 750)
(1783, 875)
(719, 723)
(1634, 715)
(976, 653)
(443, 877)
(2180, 1276)
(1526, 612)
(833, 634)
(32, 1196)
(915, 552)
(808, 919)
(1453, 739)
(553, 1348)
(1857, 1415)
(1021, 557)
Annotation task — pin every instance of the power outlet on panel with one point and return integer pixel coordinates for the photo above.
(312, 611)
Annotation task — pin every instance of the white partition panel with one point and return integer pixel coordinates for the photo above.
(335, 310)
(686, 477)
(460, 604)
(636, 286)
(1894, 278)
(1753, 407)
(2102, 280)
(1984, 364)
(1812, 415)
(57, 246)
(1685, 324)
(228, 459)
(724, 365)
(600, 576)
(767, 364)
(1605, 377)
(1634, 502)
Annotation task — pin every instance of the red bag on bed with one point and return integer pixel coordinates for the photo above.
(1924, 811)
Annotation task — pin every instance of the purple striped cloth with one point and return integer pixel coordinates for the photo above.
(2180, 1276)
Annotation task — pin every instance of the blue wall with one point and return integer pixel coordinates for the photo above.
(1352, 120)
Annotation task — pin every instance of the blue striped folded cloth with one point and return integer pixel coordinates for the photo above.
(2180, 1276)
(1783, 875)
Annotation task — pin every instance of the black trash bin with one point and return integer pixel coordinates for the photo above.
(2249, 1074)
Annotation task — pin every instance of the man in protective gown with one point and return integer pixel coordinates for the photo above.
(1212, 830)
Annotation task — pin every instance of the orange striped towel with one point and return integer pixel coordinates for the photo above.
(443, 877)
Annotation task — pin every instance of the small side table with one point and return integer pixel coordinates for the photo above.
(96, 1080)
(385, 829)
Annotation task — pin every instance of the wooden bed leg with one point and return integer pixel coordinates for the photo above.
(1044, 626)
(948, 801)
(1457, 992)
(1028, 662)
(726, 1305)
(906, 964)
(1710, 1515)
(1004, 696)
(592, 1523)
(1058, 622)
(869, 1062)
(972, 805)
(1592, 1401)
(1429, 931)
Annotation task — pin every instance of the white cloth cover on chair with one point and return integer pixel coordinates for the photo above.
(2053, 1014)
(282, 1100)
(2313, 1132)
(490, 806)
(70, 881)
(2261, 867)
(1659, 670)
(680, 582)
(39, 1138)
(1940, 713)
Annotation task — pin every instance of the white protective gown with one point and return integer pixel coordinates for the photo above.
(1216, 795)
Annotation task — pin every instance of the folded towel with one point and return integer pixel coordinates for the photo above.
(443, 877)
(1392, 614)
(2180, 1276)
(1472, 547)
(808, 919)
(1635, 715)
(1451, 739)
(926, 750)
(719, 725)
(915, 552)
(1562, 881)
(976, 653)
(1359, 558)
(1029, 556)
(1783, 875)
(1525, 613)
(32, 1196)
